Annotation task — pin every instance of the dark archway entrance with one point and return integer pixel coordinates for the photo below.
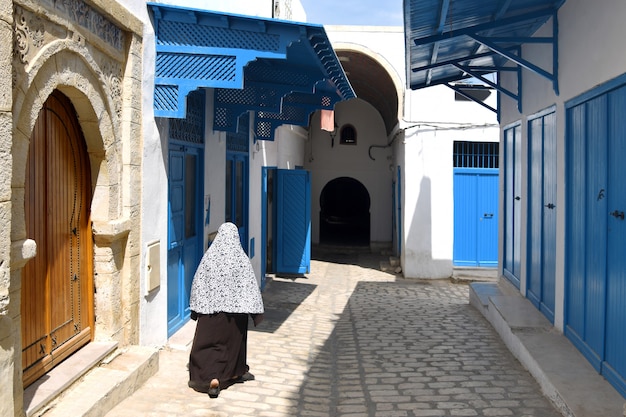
(345, 213)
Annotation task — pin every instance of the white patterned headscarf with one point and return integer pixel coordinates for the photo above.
(225, 280)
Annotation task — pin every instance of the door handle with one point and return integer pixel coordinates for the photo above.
(518, 198)
(550, 206)
(488, 215)
(617, 214)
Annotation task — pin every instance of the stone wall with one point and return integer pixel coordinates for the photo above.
(90, 51)
(9, 334)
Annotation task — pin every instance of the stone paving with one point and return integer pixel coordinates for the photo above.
(350, 340)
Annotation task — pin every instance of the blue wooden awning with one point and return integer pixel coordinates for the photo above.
(452, 40)
(282, 71)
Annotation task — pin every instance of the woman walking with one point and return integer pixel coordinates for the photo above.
(224, 293)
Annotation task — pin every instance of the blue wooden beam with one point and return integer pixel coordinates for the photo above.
(484, 27)
(469, 97)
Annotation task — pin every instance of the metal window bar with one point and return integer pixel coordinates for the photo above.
(476, 154)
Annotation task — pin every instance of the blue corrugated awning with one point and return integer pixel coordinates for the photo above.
(452, 40)
(282, 71)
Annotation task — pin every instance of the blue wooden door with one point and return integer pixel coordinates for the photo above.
(512, 204)
(236, 210)
(476, 217)
(487, 215)
(614, 366)
(586, 228)
(596, 233)
(184, 230)
(293, 222)
(542, 214)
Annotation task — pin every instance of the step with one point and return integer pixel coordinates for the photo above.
(390, 267)
(469, 274)
(105, 385)
(564, 375)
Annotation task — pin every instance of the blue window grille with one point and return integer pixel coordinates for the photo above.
(476, 154)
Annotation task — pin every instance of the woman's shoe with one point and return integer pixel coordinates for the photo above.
(245, 377)
(214, 388)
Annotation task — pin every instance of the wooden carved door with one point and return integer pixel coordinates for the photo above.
(57, 285)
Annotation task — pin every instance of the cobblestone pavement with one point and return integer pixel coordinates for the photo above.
(351, 340)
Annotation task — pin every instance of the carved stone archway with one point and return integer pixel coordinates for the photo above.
(94, 63)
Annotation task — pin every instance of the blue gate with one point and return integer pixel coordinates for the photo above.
(595, 281)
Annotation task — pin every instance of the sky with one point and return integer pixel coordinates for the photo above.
(354, 12)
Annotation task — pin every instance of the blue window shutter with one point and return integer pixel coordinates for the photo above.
(293, 221)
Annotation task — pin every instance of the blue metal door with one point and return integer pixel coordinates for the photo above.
(476, 217)
(542, 209)
(512, 203)
(184, 230)
(293, 228)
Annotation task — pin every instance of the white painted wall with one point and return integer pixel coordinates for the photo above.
(245, 7)
(327, 162)
(284, 9)
(153, 306)
(433, 121)
(590, 38)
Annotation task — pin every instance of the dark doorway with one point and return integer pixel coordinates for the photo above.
(345, 213)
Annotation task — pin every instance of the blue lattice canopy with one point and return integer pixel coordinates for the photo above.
(282, 71)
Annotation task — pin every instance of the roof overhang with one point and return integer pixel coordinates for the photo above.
(282, 71)
(451, 40)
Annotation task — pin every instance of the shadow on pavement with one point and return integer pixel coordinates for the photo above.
(280, 302)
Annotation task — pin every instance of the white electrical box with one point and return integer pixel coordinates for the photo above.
(153, 267)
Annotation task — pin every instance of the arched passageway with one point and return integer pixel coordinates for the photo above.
(345, 213)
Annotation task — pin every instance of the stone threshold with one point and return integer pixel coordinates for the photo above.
(563, 373)
(91, 381)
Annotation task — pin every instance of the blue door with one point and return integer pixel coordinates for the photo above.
(512, 203)
(542, 213)
(586, 227)
(614, 366)
(236, 210)
(397, 211)
(293, 221)
(237, 178)
(184, 230)
(476, 217)
(595, 286)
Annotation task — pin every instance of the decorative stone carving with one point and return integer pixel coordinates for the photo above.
(112, 80)
(29, 34)
(32, 32)
(92, 20)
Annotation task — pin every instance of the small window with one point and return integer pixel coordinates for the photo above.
(347, 135)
